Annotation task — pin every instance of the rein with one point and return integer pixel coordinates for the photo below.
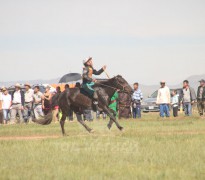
(106, 85)
(123, 87)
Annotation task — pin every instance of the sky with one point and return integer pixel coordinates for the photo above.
(145, 41)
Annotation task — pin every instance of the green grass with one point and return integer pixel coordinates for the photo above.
(150, 148)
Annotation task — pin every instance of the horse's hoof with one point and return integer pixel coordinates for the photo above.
(121, 129)
(65, 135)
(109, 127)
(91, 131)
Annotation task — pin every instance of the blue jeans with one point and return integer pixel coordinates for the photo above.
(137, 112)
(188, 109)
(28, 111)
(6, 114)
(164, 110)
(38, 111)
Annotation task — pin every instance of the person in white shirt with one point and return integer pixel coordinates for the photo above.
(28, 106)
(163, 99)
(38, 101)
(6, 104)
(175, 103)
(1, 111)
(17, 104)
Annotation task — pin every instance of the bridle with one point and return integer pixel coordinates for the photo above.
(123, 86)
(117, 84)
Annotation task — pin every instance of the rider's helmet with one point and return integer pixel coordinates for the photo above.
(86, 60)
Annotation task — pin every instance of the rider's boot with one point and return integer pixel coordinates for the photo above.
(95, 101)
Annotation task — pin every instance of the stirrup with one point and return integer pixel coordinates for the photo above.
(95, 102)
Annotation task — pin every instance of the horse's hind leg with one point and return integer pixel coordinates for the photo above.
(62, 123)
(80, 120)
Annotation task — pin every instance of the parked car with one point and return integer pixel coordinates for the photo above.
(11, 89)
(42, 88)
(149, 104)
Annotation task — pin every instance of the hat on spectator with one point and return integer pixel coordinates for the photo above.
(163, 81)
(18, 85)
(3, 89)
(86, 60)
(48, 87)
(27, 84)
(202, 80)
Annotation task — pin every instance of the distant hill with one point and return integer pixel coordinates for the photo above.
(146, 89)
(194, 82)
(38, 81)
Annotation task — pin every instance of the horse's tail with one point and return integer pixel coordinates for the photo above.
(46, 120)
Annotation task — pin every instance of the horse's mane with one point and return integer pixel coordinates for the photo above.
(106, 81)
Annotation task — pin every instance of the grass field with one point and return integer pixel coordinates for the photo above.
(150, 148)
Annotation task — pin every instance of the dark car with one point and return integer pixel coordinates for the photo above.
(149, 104)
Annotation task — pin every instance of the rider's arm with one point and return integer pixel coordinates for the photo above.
(95, 72)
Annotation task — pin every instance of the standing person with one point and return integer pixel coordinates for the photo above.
(47, 100)
(28, 107)
(163, 99)
(38, 102)
(55, 106)
(6, 105)
(136, 101)
(188, 98)
(78, 85)
(114, 102)
(175, 103)
(201, 98)
(67, 87)
(1, 110)
(18, 101)
(58, 90)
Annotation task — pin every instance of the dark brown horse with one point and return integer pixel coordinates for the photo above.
(74, 100)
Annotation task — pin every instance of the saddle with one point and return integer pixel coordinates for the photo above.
(95, 105)
(82, 91)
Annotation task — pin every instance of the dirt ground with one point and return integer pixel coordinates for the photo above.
(28, 137)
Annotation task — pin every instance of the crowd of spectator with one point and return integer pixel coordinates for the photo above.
(22, 106)
(167, 100)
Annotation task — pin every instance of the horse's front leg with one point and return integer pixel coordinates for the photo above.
(110, 124)
(111, 121)
(112, 118)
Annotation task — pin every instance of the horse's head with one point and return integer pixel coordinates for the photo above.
(121, 84)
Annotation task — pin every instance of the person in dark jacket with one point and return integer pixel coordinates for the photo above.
(18, 101)
(88, 80)
(201, 98)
